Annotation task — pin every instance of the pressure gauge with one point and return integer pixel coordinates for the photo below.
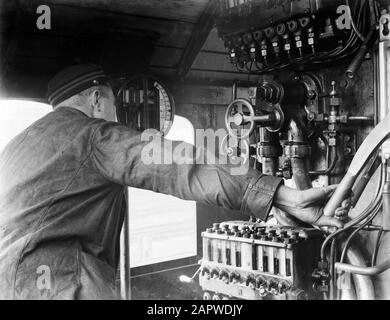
(143, 102)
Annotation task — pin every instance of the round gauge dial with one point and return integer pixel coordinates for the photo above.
(144, 102)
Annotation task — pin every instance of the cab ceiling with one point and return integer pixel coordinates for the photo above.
(173, 39)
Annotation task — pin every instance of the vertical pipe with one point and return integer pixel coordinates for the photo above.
(299, 167)
(125, 281)
(234, 90)
(363, 284)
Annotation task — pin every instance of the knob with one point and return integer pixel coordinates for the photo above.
(214, 273)
(251, 282)
(272, 284)
(206, 296)
(224, 276)
(260, 281)
(283, 286)
(234, 277)
(271, 233)
(206, 272)
(283, 233)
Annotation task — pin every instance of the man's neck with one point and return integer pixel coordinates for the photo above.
(81, 109)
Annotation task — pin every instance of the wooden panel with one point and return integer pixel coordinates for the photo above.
(186, 10)
(213, 42)
(206, 60)
(206, 95)
(180, 10)
(25, 65)
(167, 57)
(215, 77)
(36, 45)
(72, 22)
(162, 72)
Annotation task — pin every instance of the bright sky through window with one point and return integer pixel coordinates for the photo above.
(16, 115)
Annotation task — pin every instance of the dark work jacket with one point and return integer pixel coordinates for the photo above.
(62, 202)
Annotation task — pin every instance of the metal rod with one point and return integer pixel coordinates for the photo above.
(125, 281)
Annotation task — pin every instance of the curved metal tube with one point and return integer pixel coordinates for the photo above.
(363, 284)
(379, 134)
(330, 167)
(366, 271)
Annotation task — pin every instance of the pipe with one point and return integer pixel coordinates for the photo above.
(363, 285)
(234, 90)
(360, 118)
(363, 270)
(361, 54)
(386, 207)
(360, 186)
(125, 279)
(376, 137)
(330, 167)
(300, 174)
(270, 165)
(298, 162)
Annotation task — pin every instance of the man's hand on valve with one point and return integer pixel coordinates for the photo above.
(307, 205)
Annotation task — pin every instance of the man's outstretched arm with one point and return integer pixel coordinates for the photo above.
(118, 151)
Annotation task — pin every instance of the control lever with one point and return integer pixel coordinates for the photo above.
(377, 136)
(186, 279)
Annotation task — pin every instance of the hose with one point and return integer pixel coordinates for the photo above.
(374, 214)
(356, 220)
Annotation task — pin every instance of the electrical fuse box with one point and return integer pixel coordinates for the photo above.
(252, 261)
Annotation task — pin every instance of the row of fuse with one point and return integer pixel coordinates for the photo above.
(263, 258)
(267, 47)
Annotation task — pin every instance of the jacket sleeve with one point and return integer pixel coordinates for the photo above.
(149, 161)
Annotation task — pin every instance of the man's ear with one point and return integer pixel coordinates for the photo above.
(96, 100)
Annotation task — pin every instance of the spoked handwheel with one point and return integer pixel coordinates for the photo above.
(239, 119)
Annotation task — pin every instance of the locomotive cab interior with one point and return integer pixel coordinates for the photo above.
(294, 89)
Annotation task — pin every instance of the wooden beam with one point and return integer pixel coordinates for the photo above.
(197, 39)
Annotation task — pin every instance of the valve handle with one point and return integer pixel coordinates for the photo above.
(236, 115)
